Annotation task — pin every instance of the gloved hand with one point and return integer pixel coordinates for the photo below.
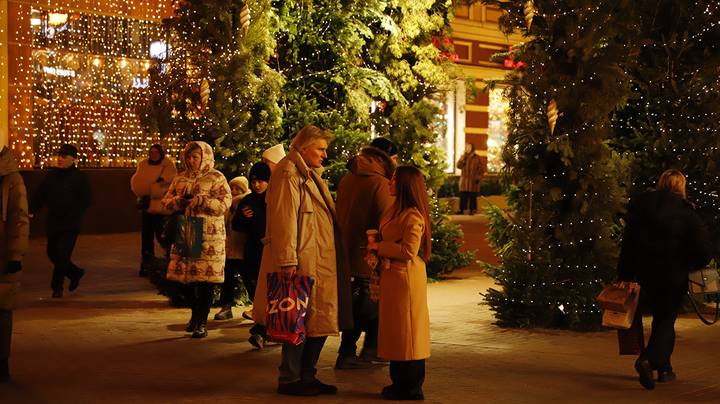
(13, 267)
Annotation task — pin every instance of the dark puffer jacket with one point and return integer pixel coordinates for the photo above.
(664, 240)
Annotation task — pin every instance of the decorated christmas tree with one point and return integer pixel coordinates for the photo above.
(672, 120)
(555, 242)
(215, 84)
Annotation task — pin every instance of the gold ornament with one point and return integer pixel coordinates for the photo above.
(204, 93)
(552, 115)
(245, 19)
(529, 13)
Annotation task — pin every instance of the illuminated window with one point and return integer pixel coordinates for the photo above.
(497, 129)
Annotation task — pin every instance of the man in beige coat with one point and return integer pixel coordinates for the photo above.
(14, 231)
(300, 239)
(362, 197)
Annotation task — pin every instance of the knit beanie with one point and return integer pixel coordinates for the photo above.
(260, 171)
(385, 145)
(240, 182)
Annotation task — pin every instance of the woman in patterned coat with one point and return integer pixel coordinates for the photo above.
(203, 192)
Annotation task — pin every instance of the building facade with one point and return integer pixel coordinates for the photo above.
(75, 71)
(477, 117)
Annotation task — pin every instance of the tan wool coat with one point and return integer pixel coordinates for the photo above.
(213, 191)
(147, 174)
(362, 197)
(14, 225)
(473, 168)
(404, 323)
(300, 231)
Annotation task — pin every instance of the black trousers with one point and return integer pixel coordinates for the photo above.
(299, 362)
(665, 304)
(6, 325)
(408, 376)
(468, 198)
(249, 273)
(60, 246)
(365, 319)
(230, 284)
(152, 228)
(201, 294)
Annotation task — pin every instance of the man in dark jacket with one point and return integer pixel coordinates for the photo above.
(363, 196)
(66, 191)
(14, 231)
(664, 240)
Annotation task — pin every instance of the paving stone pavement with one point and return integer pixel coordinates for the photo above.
(116, 341)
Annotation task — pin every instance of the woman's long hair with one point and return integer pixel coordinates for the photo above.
(411, 192)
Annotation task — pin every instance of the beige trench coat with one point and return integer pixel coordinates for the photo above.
(300, 231)
(404, 323)
(14, 226)
(212, 187)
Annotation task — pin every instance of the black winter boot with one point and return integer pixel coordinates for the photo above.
(200, 329)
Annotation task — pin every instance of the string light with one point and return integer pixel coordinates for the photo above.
(81, 77)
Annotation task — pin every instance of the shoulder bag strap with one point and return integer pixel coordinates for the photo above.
(700, 315)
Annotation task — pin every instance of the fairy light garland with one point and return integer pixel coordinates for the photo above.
(82, 77)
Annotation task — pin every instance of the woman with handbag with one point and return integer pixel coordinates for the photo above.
(664, 240)
(201, 195)
(150, 183)
(404, 321)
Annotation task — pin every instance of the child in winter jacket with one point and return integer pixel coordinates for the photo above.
(234, 250)
(250, 218)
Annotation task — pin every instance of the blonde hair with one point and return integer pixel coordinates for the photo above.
(309, 134)
(673, 181)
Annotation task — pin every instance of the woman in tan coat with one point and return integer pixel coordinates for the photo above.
(404, 329)
(203, 192)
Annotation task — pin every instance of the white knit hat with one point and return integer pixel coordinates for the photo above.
(274, 154)
(242, 183)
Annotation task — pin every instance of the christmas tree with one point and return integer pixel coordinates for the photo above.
(215, 85)
(672, 119)
(555, 243)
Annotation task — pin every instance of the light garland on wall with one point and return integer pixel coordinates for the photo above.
(83, 81)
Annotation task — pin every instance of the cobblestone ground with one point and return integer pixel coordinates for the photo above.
(116, 341)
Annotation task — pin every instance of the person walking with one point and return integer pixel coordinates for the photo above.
(300, 240)
(66, 192)
(363, 197)
(472, 168)
(404, 326)
(13, 246)
(200, 192)
(234, 251)
(664, 240)
(250, 219)
(149, 184)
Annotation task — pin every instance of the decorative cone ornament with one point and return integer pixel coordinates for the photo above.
(552, 115)
(204, 93)
(245, 18)
(529, 10)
